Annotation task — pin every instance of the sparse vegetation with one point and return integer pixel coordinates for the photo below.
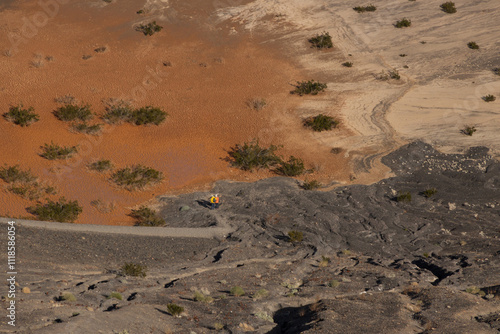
(86, 128)
(362, 9)
(333, 283)
(430, 192)
(496, 70)
(73, 112)
(115, 295)
(448, 7)
(134, 269)
(394, 74)
(31, 190)
(101, 165)
(295, 236)
(55, 152)
(403, 23)
(469, 130)
(256, 103)
(136, 177)
(101, 49)
(347, 64)
(404, 197)
(325, 261)
(147, 115)
(67, 297)
(293, 167)
(321, 41)
(237, 291)
(60, 211)
(311, 185)
(21, 116)
(475, 291)
(403, 55)
(103, 207)
(250, 156)
(147, 217)
(260, 294)
(14, 174)
(66, 99)
(117, 111)
(201, 297)
(321, 123)
(473, 45)
(149, 29)
(175, 310)
(309, 87)
(489, 98)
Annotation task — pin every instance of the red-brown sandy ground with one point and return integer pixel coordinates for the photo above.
(213, 74)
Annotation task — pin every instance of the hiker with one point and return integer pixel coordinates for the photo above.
(214, 200)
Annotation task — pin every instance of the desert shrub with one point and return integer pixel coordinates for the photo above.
(115, 295)
(362, 9)
(333, 283)
(260, 294)
(237, 291)
(136, 177)
(147, 115)
(311, 185)
(473, 45)
(30, 191)
(67, 297)
(101, 165)
(87, 129)
(201, 297)
(21, 116)
(469, 130)
(295, 236)
(149, 29)
(448, 7)
(66, 99)
(403, 55)
(103, 207)
(403, 197)
(15, 174)
(293, 167)
(320, 123)
(403, 23)
(140, 11)
(394, 74)
(325, 261)
(475, 291)
(175, 310)
(308, 87)
(250, 155)
(133, 269)
(489, 98)
(429, 192)
(256, 103)
(55, 152)
(147, 217)
(347, 64)
(321, 41)
(117, 111)
(496, 70)
(60, 211)
(73, 112)
(101, 49)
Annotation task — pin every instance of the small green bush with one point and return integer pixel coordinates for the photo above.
(133, 269)
(147, 115)
(237, 291)
(117, 111)
(321, 123)
(403, 55)
(394, 74)
(308, 87)
(448, 7)
(295, 236)
(473, 45)
(403, 197)
(475, 291)
(362, 9)
(115, 295)
(489, 98)
(20, 116)
(136, 177)
(147, 217)
(311, 185)
(250, 156)
(347, 64)
(403, 23)
(87, 129)
(101, 165)
(175, 310)
(469, 130)
(201, 297)
(293, 167)
(140, 11)
(149, 29)
(321, 41)
(30, 191)
(60, 211)
(55, 152)
(260, 294)
(430, 192)
(333, 283)
(73, 112)
(256, 104)
(16, 174)
(67, 297)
